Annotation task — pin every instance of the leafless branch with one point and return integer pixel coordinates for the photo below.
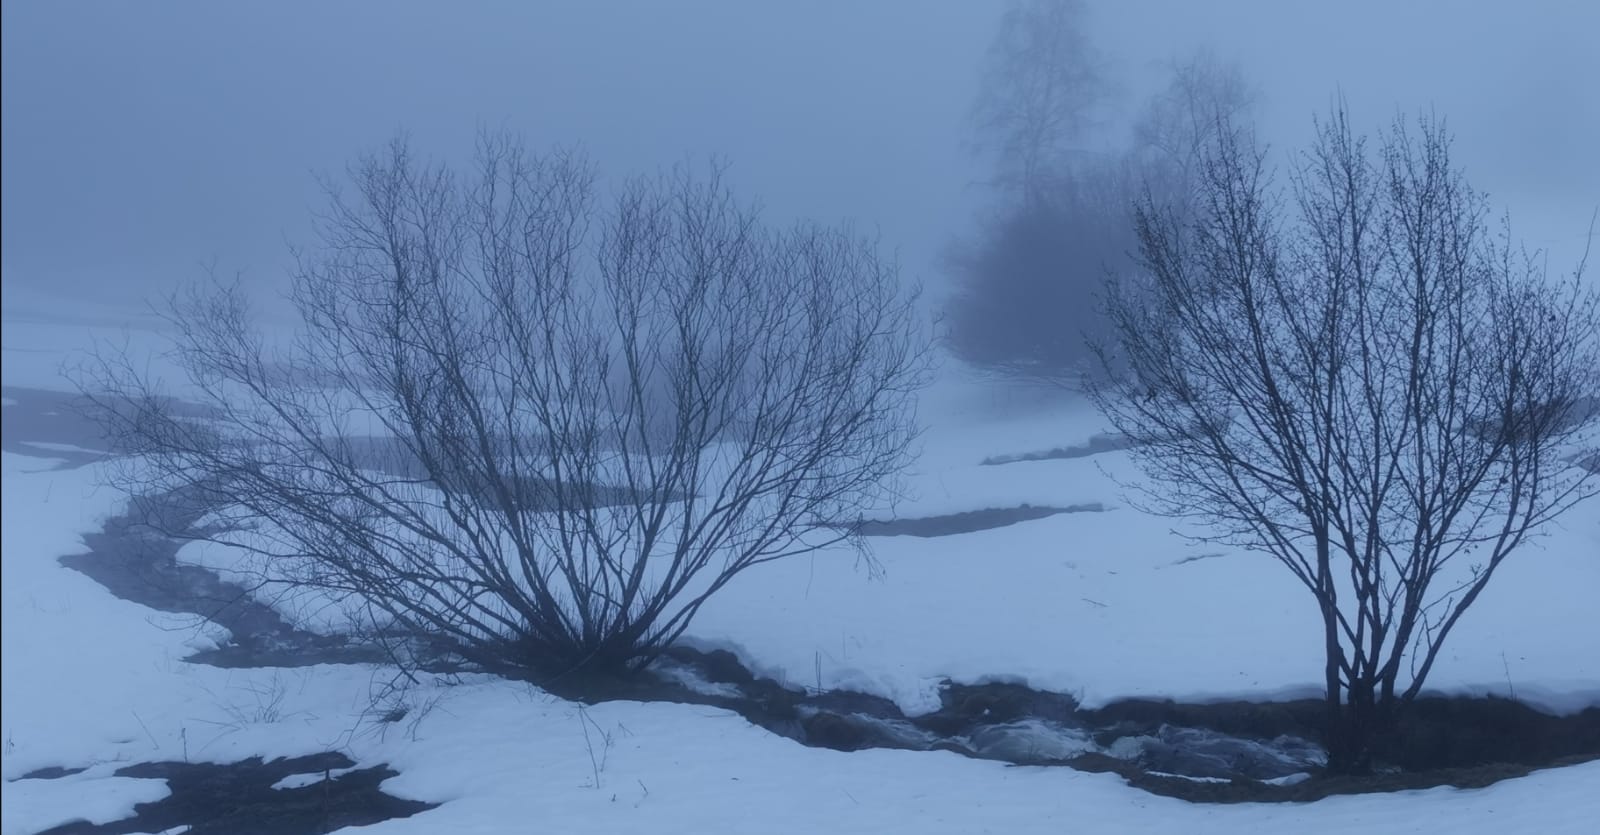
(528, 430)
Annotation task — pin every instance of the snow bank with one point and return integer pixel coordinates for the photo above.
(94, 796)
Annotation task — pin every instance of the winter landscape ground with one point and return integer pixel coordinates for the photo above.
(599, 304)
(1098, 602)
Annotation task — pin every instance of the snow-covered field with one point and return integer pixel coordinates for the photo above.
(1101, 604)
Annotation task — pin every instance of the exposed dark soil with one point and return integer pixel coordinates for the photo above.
(969, 521)
(1319, 786)
(239, 799)
(51, 772)
(1459, 741)
(1432, 733)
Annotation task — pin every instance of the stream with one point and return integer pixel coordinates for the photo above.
(134, 556)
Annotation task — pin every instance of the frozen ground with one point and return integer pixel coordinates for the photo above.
(1104, 605)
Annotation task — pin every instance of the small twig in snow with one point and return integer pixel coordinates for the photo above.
(146, 729)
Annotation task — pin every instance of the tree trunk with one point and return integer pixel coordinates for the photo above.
(1354, 728)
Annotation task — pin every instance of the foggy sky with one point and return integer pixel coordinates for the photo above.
(144, 139)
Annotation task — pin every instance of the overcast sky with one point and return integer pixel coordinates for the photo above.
(144, 139)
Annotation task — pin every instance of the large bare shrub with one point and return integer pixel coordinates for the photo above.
(529, 427)
(1360, 379)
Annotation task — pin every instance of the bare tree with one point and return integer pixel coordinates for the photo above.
(1042, 84)
(531, 433)
(1361, 381)
(1204, 95)
(1027, 286)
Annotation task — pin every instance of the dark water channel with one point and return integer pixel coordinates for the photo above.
(134, 556)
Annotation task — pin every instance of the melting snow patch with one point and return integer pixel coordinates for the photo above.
(37, 805)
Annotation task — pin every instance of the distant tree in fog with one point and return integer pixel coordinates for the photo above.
(1042, 84)
(1027, 285)
(1361, 380)
(532, 432)
(1204, 96)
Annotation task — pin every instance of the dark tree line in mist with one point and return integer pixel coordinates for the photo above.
(1060, 212)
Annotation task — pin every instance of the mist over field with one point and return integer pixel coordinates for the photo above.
(926, 416)
(143, 140)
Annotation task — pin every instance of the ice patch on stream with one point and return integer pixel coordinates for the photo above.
(1031, 740)
(1196, 752)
